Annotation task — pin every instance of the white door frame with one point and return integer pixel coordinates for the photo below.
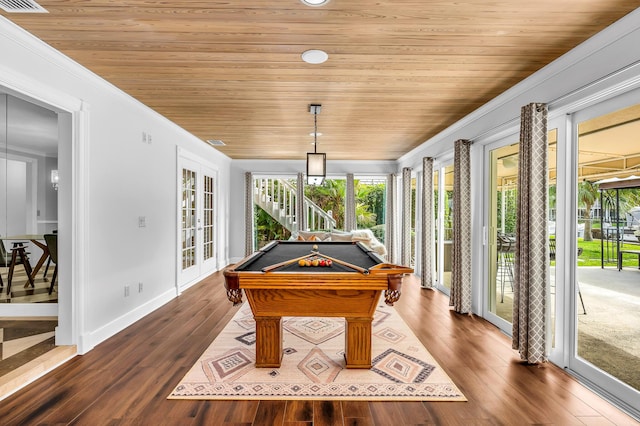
(73, 196)
(201, 268)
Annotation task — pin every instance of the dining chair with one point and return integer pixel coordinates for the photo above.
(52, 245)
(4, 261)
(46, 268)
(19, 256)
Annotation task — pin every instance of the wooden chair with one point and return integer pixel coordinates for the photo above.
(19, 256)
(52, 244)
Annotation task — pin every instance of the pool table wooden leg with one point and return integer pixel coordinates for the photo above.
(268, 341)
(357, 345)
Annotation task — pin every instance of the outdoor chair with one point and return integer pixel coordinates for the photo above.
(506, 253)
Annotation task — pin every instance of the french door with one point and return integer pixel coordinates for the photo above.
(196, 221)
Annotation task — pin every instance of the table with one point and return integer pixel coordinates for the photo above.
(276, 285)
(36, 240)
(623, 251)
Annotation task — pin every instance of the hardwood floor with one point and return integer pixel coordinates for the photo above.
(21, 294)
(126, 379)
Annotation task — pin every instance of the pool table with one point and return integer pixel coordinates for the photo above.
(347, 282)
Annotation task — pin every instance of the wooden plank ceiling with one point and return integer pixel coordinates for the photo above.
(399, 71)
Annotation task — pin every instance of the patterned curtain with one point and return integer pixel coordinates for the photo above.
(460, 297)
(405, 254)
(248, 214)
(427, 223)
(390, 233)
(350, 207)
(301, 217)
(532, 240)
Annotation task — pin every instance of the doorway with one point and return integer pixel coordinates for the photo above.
(28, 200)
(197, 252)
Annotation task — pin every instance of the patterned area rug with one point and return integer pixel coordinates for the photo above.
(313, 364)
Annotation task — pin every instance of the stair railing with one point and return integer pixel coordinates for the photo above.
(278, 198)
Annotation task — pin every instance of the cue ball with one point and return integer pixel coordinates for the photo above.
(315, 247)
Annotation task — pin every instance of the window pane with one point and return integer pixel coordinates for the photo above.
(207, 214)
(274, 204)
(370, 205)
(326, 210)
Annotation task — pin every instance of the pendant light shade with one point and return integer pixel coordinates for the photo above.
(316, 161)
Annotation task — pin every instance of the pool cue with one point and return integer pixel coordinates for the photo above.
(286, 262)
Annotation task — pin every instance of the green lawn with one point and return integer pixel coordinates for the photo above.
(591, 254)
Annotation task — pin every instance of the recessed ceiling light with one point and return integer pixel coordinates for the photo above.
(315, 3)
(315, 134)
(314, 56)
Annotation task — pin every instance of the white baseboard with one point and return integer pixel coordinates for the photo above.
(89, 340)
(29, 310)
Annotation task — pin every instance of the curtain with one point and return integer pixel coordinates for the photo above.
(248, 214)
(460, 297)
(426, 278)
(301, 217)
(391, 214)
(531, 278)
(405, 254)
(350, 205)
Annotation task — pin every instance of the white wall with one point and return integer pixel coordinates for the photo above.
(123, 178)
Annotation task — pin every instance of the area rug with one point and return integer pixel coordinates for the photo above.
(313, 364)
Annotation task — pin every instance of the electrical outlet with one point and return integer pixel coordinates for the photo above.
(142, 221)
(126, 291)
(139, 287)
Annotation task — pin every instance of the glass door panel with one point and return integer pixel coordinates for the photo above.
(208, 225)
(551, 214)
(436, 214)
(274, 210)
(447, 227)
(327, 203)
(607, 306)
(370, 193)
(413, 222)
(443, 205)
(503, 166)
(188, 227)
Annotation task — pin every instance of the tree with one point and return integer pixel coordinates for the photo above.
(552, 201)
(329, 197)
(370, 203)
(267, 228)
(587, 196)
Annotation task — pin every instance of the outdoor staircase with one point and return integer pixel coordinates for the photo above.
(278, 198)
